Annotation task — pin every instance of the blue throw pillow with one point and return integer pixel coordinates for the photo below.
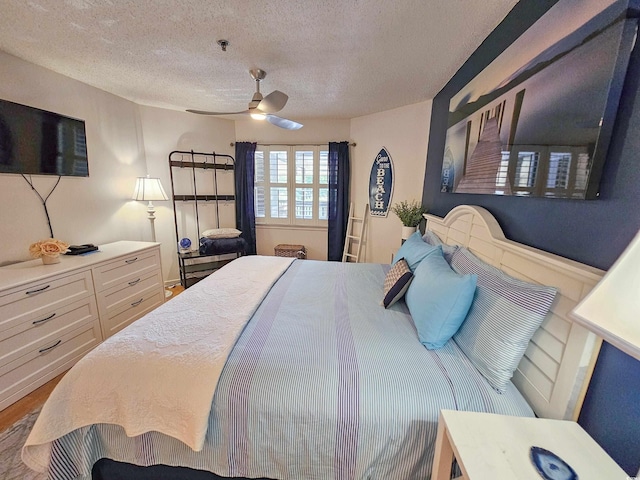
(414, 250)
(439, 300)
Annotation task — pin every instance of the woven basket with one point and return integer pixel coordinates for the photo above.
(287, 250)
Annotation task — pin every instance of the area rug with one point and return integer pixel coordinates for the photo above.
(11, 441)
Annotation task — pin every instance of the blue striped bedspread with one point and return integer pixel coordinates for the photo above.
(323, 383)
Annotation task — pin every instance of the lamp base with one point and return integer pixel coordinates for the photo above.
(152, 217)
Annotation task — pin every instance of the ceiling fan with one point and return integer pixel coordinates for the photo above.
(262, 108)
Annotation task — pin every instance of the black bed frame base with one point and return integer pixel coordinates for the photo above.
(106, 469)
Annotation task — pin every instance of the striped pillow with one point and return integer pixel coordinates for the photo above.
(504, 315)
(433, 239)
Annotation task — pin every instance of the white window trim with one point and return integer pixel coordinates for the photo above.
(291, 185)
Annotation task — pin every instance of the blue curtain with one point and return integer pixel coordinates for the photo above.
(245, 208)
(338, 198)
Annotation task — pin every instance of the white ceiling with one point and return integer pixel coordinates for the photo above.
(334, 58)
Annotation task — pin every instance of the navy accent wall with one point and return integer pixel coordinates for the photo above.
(594, 232)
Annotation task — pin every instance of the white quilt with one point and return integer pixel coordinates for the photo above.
(138, 378)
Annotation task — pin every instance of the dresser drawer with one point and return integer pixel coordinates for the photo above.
(128, 313)
(122, 296)
(126, 269)
(50, 316)
(39, 299)
(47, 360)
(31, 334)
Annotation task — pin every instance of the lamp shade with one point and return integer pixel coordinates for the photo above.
(149, 189)
(612, 308)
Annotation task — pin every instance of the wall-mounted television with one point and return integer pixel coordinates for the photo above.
(37, 142)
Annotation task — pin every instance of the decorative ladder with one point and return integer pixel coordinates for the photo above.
(351, 237)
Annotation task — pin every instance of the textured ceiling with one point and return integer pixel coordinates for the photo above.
(334, 58)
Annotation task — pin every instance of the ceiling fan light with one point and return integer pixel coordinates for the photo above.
(262, 108)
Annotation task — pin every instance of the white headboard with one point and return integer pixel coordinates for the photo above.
(555, 371)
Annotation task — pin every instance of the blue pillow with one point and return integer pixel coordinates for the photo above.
(414, 250)
(439, 300)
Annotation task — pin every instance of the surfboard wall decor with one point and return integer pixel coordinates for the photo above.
(381, 184)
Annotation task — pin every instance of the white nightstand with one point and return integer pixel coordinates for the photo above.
(489, 446)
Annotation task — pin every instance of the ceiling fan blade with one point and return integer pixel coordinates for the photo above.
(204, 112)
(283, 122)
(274, 102)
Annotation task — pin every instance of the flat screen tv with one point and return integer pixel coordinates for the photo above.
(37, 142)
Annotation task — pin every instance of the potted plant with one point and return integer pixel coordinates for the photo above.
(410, 214)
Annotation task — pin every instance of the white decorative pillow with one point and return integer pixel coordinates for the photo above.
(504, 315)
(396, 282)
(221, 233)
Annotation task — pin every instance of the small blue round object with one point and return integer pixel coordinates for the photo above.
(185, 243)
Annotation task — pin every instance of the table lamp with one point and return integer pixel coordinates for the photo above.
(150, 190)
(612, 309)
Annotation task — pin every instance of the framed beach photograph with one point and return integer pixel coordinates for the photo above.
(543, 128)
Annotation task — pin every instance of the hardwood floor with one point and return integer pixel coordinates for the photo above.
(35, 399)
(175, 290)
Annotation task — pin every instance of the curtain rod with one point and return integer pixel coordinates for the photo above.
(295, 144)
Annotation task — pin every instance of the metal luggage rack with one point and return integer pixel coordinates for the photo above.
(193, 265)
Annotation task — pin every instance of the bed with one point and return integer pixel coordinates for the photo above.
(312, 378)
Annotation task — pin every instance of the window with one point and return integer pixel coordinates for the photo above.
(550, 170)
(502, 174)
(559, 167)
(291, 185)
(568, 172)
(526, 169)
(74, 135)
(582, 171)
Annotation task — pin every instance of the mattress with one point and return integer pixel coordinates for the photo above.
(322, 383)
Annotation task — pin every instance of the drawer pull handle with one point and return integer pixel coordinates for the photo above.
(38, 290)
(131, 284)
(135, 304)
(131, 260)
(36, 322)
(42, 350)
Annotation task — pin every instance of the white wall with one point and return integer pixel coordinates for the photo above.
(165, 131)
(314, 131)
(96, 209)
(404, 133)
(126, 140)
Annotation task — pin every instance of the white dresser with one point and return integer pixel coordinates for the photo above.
(51, 315)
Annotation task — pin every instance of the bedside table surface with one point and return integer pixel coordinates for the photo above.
(498, 446)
